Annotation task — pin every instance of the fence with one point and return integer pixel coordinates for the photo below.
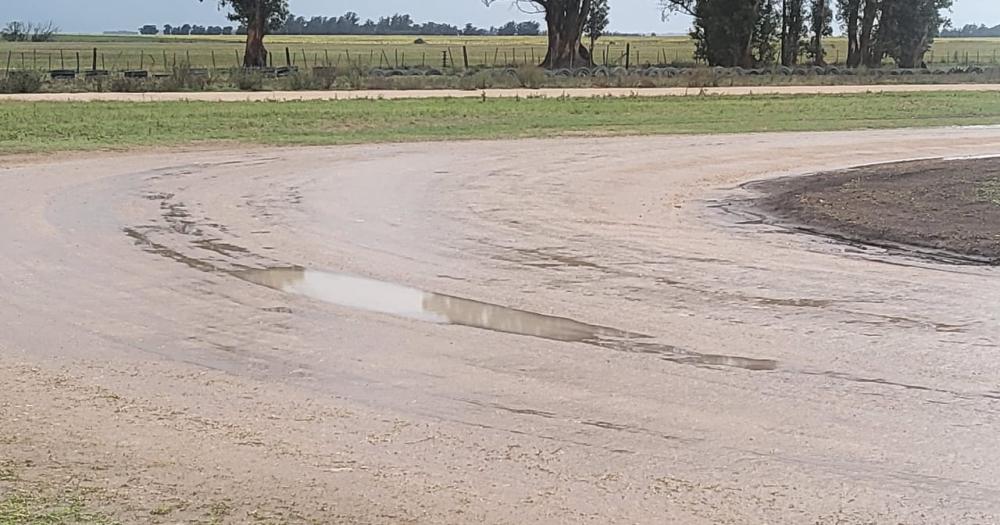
(611, 54)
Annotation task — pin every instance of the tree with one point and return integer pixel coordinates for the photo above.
(908, 27)
(820, 18)
(259, 17)
(564, 20)
(148, 29)
(529, 29)
(508, 29)
(15, 32)
(597, 21)
(792, 30)
(168, 29)
(730, 32)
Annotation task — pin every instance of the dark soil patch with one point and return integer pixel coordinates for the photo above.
(948, 206)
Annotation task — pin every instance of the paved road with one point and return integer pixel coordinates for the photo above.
(491, 93)
(537, 331)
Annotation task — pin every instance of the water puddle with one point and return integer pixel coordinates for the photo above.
(410, 303)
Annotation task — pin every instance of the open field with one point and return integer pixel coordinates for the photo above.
(160, 53)
(558, 330)
(34, 127)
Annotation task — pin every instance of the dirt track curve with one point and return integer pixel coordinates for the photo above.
(688, 365)
(243, 96)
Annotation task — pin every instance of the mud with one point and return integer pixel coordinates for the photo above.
(944, 207)
(541, 331)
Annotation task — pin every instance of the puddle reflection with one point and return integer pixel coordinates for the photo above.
(402, 301)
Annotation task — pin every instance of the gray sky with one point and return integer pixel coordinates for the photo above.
(626, 15)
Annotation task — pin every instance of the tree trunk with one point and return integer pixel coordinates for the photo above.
(565, 20)
(869, 55)
(256, 54)
(791, 33)
(853, 46)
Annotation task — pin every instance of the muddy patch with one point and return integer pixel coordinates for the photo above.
(410, 303)
(949, 208)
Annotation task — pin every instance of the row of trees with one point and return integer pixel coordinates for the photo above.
(744, 33)
(28, 32)
(749, 32)
(398, 24)
(186, 29)
(973, 31)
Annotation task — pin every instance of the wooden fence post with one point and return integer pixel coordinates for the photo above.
(77, 61)
(465, 56)
(93, 64)
(288, 57)
(628, 54)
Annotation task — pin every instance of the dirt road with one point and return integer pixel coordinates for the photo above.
(506, 332)
(243, 96)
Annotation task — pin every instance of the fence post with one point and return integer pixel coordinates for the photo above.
(7, 71)
(326, 57)
(77, 61)
(93, 63)
(628, 54)
(465, 56)
(237, 51)
(213, 61)
(288, 57)
(62, 60)
(444, 59)
(305, 59)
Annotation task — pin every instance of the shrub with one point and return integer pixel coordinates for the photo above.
(531, 76)
(183, 78)
(128, 85)
(247, 79)
(21, 82)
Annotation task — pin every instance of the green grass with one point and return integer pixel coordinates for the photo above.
(30, 127)
(152, 52)
(24, 509)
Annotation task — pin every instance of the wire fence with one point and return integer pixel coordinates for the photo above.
(164, 61)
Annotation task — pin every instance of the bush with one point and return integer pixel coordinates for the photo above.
(128, 85)
(21, 82)
(531, 76)
(247, 80)
(184, 78)
(300, 81)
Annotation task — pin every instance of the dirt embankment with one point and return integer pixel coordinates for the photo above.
(946, 205)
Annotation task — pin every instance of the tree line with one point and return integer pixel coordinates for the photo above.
(186, 29)
(28, 32)
(973, 31)
(746, 33)
(351, 24)
(751, 33)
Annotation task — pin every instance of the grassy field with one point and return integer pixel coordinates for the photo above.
(47, 127)
(158, 53)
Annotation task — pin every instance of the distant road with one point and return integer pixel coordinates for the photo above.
(243, 96)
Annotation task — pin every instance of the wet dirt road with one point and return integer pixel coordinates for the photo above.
(546, 331)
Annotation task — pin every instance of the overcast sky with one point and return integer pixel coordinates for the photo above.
(104, 15)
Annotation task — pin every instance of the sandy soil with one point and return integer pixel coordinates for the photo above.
(138, 368)
(949, 208)
(491, 93)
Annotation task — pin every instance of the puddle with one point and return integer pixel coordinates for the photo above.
(410, 303)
